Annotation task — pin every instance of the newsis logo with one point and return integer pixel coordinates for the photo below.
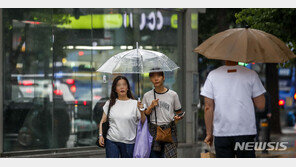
(258, 146)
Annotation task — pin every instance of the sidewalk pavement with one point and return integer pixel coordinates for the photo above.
(288, 135)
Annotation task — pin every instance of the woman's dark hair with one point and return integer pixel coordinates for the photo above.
(114, 94)
(156, 71)
(159, 73)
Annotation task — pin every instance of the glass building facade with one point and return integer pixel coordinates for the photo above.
(52, 94)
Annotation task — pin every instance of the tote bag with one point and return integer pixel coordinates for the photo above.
(143, 143)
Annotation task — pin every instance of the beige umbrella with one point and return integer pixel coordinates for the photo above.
(245, 45)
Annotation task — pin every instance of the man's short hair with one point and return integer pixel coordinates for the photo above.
(157, 71)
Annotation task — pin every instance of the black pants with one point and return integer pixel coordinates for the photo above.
(225, 147)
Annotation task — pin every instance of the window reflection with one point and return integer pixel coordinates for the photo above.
(53, 94)
(27, 110)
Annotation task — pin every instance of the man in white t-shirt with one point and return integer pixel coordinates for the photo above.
(230, 92)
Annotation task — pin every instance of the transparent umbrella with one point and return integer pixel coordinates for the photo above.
(137, 61)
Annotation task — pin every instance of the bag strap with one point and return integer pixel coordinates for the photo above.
(108, 113)
(211, 149)
(154, 107)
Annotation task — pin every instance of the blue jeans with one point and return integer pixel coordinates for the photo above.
(119, 150)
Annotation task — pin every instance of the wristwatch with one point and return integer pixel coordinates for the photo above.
(100, 135)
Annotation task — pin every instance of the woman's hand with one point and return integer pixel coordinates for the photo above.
(177, 117)
(140, 105)
(154, 103)
(101, 141)
(143, 116)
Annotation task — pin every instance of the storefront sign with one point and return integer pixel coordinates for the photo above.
(153, 21)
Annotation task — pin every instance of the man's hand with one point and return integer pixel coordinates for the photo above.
(209, 140)
(209, 115)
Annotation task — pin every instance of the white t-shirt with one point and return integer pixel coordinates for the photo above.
(232, 93)
(123, 119)
(168, 104)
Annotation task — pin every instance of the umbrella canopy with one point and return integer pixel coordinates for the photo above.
(138, 61)
(245, 45)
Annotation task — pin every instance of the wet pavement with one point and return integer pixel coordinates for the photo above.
(289, 136)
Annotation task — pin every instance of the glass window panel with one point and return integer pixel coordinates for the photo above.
(27, 107)
(53, 94)
(73, 77)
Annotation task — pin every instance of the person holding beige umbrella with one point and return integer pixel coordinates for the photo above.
(231, 91)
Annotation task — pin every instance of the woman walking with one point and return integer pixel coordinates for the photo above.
(124, 115)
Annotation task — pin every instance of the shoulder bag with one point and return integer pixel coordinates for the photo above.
(162, 135)
(105, 128)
